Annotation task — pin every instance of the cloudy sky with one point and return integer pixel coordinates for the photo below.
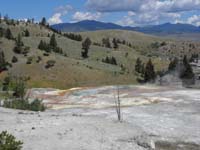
(123, 12)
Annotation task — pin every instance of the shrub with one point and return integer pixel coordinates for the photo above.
(29, 60)
(23, 104)
(9, 142)
(37, 105)
(14, 59)
(50, 63)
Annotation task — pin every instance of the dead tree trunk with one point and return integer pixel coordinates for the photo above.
(118, 105)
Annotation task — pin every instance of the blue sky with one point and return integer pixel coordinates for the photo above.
(123, 12)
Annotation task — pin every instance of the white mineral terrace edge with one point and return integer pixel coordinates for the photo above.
(85, 118)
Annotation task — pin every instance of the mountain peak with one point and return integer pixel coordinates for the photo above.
(93, 25)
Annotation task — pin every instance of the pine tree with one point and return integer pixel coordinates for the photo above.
(14, 59)
(106, 42)
(187, 72)
(18, 45)
(3, 63)
(149, 74)
(43, 21)
(8, 34)
(138, 66)
(53, 42)
(86, 46)
(27, 33)
(115, 44)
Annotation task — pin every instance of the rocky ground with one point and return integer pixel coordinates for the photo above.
(161, 118)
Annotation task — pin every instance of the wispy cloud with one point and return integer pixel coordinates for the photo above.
(79, 16)
(59, 12)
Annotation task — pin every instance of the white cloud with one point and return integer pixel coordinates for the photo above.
(131, 13)
(195, 20)
(126, 21)
(145, 11)
(79, 16)
(63, 9)
(55, 19)
(143, 5)
(59, 12)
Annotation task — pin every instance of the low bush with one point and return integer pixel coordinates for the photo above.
(36, 105)
(9, 142)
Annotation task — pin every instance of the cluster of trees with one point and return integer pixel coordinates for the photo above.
(72, 36)
(110, 60)
(147, 70)
(158, 44)
(85, 47)
(18, 100)
(6, 33)
(19, 46)
(7, 20)
(106, 43)
(51, 46)
(187, 71)
(183, 67)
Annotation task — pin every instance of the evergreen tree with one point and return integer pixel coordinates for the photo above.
(9, 34)
(43, 21)
(53, 42)
(86, 46)
(44, 46)
(3, 63)
(27, 33)
(173, 64)
(19, 88)
(115, 44)
(18, 45)
(14, 59)
(149, 74)
(138, 65)
(106, 42)
(187, 72)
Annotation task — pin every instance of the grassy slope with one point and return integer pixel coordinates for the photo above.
(73, 71)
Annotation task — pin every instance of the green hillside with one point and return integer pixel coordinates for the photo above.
(70, 69)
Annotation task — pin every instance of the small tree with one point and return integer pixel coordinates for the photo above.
(115, 44)
(9, 142)
(8, 34)
(43, 21)
(18, 45)
(53, 42)
(6, 83)
(14, 59)
(50, 63)
(187, 72)
(138, 65)
(3, 63)
(86, 46)
(106, 42)
(19, 88)
(149, 74)
(27, 33)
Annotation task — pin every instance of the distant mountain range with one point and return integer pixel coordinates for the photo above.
(91, 25)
